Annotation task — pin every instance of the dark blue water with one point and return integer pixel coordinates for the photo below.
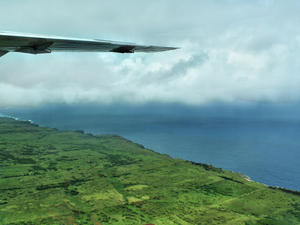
(263, 145)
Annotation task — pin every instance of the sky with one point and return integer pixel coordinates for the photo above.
(230, 51)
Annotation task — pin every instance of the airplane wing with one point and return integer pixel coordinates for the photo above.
(38, 44)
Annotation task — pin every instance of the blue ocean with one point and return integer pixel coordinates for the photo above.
(259, 140)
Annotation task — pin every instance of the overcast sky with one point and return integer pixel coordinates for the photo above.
(231, 51)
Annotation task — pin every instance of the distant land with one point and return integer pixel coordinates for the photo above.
(49, 176)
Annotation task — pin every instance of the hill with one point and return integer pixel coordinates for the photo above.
(52, 177)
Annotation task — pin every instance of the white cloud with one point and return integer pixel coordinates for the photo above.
(230, 51)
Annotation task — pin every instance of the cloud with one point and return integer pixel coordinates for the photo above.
(230, 51)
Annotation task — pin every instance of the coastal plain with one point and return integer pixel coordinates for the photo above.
(54, 177)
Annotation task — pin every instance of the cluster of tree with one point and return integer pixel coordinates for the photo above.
(207, 167)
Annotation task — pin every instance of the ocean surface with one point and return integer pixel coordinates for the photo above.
(260, 141)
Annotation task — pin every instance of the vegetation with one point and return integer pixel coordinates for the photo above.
(53, 177)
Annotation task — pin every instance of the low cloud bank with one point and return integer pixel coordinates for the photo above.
(230, 52)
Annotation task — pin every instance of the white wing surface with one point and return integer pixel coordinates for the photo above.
(38, 44)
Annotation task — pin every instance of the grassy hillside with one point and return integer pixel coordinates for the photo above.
(53, 177)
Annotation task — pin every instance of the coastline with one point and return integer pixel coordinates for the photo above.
(265, 150)
(206, 165)
(51, 176)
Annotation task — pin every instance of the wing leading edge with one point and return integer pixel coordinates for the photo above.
(39, 44)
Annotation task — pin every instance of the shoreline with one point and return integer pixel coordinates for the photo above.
(246, 177)
(50, 176)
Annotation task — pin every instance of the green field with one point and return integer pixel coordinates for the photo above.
(57, 177)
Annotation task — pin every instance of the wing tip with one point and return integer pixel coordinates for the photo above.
(149, 49)
(172, 48)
